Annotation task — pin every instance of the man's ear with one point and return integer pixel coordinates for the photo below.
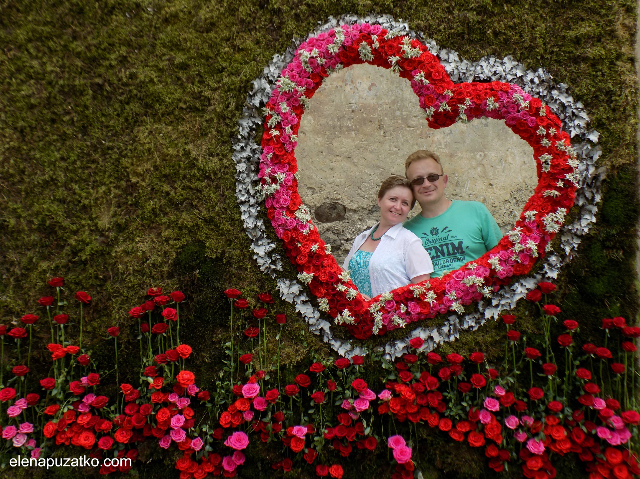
(445, 178)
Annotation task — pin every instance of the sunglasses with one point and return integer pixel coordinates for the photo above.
(431, 178)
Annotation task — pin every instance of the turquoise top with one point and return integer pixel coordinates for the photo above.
(359, 268)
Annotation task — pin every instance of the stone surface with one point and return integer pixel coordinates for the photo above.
(364, 121)
(330, 212)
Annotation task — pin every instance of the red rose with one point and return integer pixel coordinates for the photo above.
(172, 355)
(603, 353)
(265, 298)
(357, 360)
(570, 324)
(76, 387)
(137, 312)
(589, 348)
(565, 340)
(520, 406)
(303, 380)
(272, 395)
(359, 385)
(154, 291)
(246, 358)
(555, 406)
(607, 323)
(534, 296)
(32, 399)
(93, 379)
(316, 368)
(619, 322)
(83, 359)
(336, 471)
(100, 402)
(476, 439)
(617, 368)
(478, 381)
(551, 309)
(444, 373)
(535, 393)
(160, 328)
(251, 332)
(72, 349)
(628, 346)
(416, 343)
(113, 331)
(331, 385)
(291, 390)
(477, 357)
(513, 335)
(20, 370)
(18, 333)
(184, 350)
(170, 314)
(161, 300)
(204, 395)
(342, 363)
(241, 303)
(259, 313)
(144, 327)
(433, 358)
(281, 318)
(454, 358)
(631, 332)
(549, 369)
(29, 318)
(532, 353)
(48, 383)
(46, 301)
(547, 288)
(410, 358)
(322, 470)
(56, 282)
(61, 318)
(445, 424)
(177, 296)
(508, 399)
(508, 318)
(185, 378)
(83, 297)
(318, 397)
(232, 293)
(631, 417)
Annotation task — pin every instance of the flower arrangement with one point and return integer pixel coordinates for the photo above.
(549, 396)
(445, 103)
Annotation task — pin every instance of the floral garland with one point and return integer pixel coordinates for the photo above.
(561, 168)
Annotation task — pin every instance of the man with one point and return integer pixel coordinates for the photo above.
(452, 232)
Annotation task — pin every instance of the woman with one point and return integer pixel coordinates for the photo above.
(389, 256)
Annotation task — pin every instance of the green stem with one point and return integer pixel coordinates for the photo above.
(80, 325)
(30, 341)
(231, 333)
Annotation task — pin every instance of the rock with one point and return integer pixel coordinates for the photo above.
(329, 212)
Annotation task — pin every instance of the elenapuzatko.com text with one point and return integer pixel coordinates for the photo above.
(82, 461)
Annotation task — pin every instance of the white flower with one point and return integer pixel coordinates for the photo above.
(323, 304)
(364, 51)
(305, 277)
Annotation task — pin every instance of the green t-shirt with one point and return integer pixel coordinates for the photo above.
(463, 233)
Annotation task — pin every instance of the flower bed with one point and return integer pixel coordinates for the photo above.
(548, 397)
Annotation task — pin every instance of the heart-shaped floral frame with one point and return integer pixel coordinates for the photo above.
(445, 103)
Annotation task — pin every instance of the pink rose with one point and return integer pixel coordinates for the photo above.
(228, 464)
(499, 391)
(259, 403)
(165, 442)
(361, 404)
(197, 444)
(492, 404)
(250, 390)
(26, 428)
(511, 422)
(368, 394)
(520, 436)
(535, 446)
(385, 395)
(396, 441)
(238, 440)
(247, 415)
(177, 421)
(484, 416)
(237, 457)
(8, 432)
(19, 440)
(299, 431)
(402, 454)
(178, 435)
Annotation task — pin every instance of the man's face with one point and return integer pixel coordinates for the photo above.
(427, 193)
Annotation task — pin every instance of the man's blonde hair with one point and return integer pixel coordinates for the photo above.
(421, 155)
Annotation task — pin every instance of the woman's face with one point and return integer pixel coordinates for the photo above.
(395, 205)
